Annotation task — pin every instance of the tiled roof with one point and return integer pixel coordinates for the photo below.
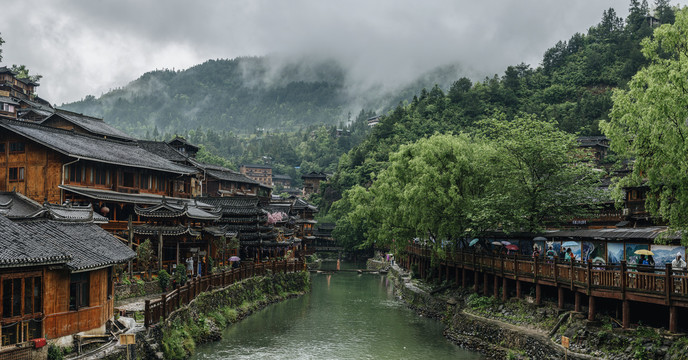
(94, 148)
(87, 245)
(19, 248)
(42, 113)
(256, 166)
(169, 210)
(230, 175)
(300, 204)
(142, 199)
(74, 213)
(183, 141)
(14, 205)
(643, 233)
(172, 230)
(8, 100)
(90, 124)
(164, 150)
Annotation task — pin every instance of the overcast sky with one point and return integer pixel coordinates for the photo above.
(88, 47)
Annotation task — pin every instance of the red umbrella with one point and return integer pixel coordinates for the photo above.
(512, 247)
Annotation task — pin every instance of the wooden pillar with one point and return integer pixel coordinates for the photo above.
(475, 281)
(591, 308)
(673, 319)
(456, 275)
(159, 250)
(486, 284)
(177, 258)
(560, 297)
(131, 246)
(626, 314)
(505, 293)
(538, 294)
(518, 289)
(446, 271)
(463, 277)
(577, 302)
(496, 287)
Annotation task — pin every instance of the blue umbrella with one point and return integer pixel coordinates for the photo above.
(473, 242)
(570, 243)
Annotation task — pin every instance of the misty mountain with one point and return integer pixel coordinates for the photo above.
(246, 93)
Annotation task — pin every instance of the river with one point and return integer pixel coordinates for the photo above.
(345, 316)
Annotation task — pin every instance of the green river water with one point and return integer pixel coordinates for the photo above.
(345, 316)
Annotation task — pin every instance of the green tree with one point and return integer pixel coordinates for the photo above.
(23, 73)
(1, 42)
(144, 256)
(648, 123)
(538, 177)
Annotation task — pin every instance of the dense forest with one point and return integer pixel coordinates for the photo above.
(572, 88)
(241, 95)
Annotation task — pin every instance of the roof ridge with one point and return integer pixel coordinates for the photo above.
(63, 131)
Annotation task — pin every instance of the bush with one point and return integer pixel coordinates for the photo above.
(163, 279)
(54, 352)
(180, 274)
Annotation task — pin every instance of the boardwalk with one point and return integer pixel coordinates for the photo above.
(621, 282)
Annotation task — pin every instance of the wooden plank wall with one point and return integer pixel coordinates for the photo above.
(59, 320)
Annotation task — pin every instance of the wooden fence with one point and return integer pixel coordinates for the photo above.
(159, 309)
(656, 285)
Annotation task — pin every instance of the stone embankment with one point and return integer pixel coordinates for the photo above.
(518, 329)
(204, 318)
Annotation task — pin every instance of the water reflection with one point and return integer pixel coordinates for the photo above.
(346, 316)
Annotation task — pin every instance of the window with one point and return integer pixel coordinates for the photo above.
(7, 107)
(160, 183)
(17, 147)
(145, 181)
(128, 179)
(101, 176)
(75, 173)
(17, 174)
(2, 148)
(78, 291)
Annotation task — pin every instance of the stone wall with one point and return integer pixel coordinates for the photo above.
(123, 291)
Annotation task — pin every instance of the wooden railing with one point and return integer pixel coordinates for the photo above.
(159, 309)
(664, 282)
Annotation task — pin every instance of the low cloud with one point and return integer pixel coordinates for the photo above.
(88, 47)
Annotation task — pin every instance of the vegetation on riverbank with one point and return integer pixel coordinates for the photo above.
(203, 320)
(519, 329)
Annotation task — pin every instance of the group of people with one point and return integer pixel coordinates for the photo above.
(550, 254)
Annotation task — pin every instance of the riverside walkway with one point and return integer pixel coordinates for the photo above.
(622, 282)
(158, 309)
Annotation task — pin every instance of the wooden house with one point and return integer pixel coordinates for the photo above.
(83, 124)
(56, 279)
(56, 165)
(311, 182)
(11, 86)
(284, 181)
(259, 173)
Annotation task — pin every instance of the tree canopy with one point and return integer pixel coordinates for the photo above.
(648, 122)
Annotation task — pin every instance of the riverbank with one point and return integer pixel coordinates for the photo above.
(204, 318)
(518, 329)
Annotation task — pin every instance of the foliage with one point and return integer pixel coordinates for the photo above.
(163, 279)
(539, 175)
(23, 73)
(648, 122)
(1, 42)
(179, 275)
(55, 352)
(144, 256)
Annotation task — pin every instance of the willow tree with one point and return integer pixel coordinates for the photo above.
(539, 176)
(649, 122)
(430, 190)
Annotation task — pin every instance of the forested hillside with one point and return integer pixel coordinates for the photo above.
(572, 87)
(242, 95)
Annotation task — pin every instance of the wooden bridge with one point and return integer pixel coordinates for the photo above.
(623, 282)
(159, 309)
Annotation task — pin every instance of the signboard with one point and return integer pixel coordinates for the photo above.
(565, 342)
(194, 250)
(127, 339)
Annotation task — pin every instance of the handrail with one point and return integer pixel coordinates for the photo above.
(624, 278)
(159, 309)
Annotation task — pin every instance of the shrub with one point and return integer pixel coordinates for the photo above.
(180, 274)
(163, 279)
(54, 352)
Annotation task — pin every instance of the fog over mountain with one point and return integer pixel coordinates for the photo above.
(85, 47)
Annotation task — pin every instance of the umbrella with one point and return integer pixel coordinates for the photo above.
(234, 258)
(497, 243)
(512, 247)
(539, 238)
(570, 243)
(504, 242)
(643, 252)
(473, 242)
